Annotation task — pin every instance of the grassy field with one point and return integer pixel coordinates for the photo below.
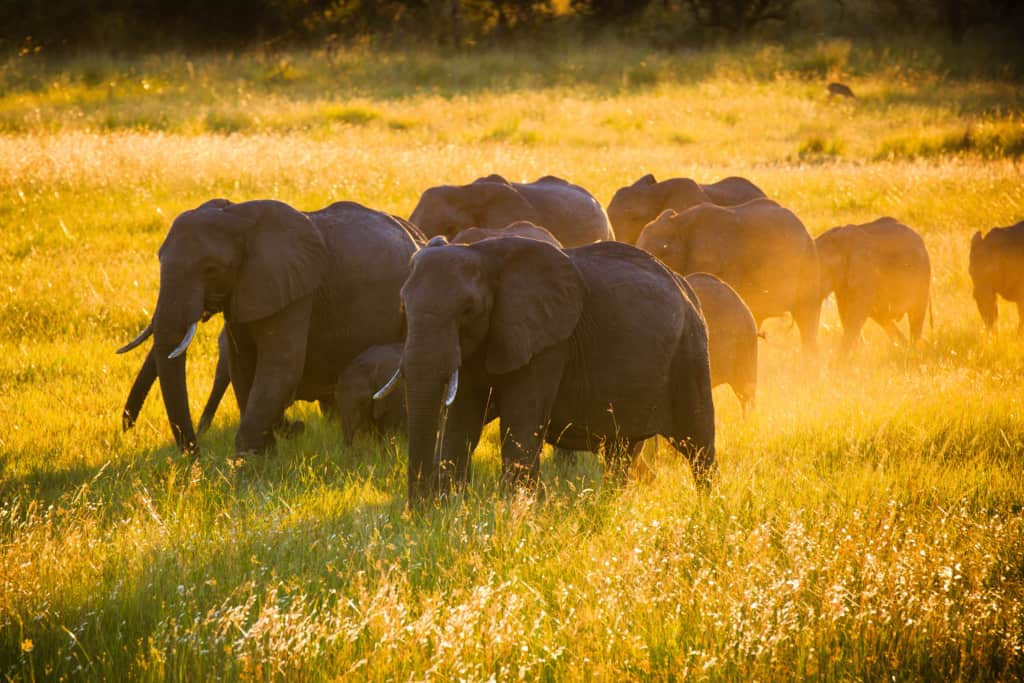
(868, 520)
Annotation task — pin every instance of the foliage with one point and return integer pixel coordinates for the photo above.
(867, 522)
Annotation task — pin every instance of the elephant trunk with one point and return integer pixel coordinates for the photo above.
(428, 369)
(177, 312)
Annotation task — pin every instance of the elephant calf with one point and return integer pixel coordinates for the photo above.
(878, 270)
(997, 268)
(354, 405)
(732, 336)
(760, 248)
(634, 206)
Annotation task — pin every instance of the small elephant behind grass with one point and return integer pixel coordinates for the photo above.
(354, 404)
(732, 336)
(878, 270)
(997, 269)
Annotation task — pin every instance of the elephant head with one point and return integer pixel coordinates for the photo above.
(987, 274)
(844, 260)
(634, 206)
(246, 260)
(677, 239)
(518, 229)
(354, 405)
(486, 203)
(490, 307)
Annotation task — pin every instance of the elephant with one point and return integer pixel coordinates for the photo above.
(546, 340)
(517, 229)
(634, 206)
(732, 336)
(878, 270)
(760, 248)
(353, 397)
(302, 294)
(997, 268)
(571, 213)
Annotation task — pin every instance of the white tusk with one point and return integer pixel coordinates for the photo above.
(191, 332)
(390, 386)
(143, 336)
(452, 388)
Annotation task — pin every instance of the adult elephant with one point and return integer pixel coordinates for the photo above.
(549, 338)
(302, 295)
(760, 248)
(568, 211)
(997, 269)
(634, 206)
(878, 270)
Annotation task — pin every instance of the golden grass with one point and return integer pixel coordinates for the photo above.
(867, 522)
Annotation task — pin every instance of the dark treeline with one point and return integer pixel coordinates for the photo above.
(210, 24)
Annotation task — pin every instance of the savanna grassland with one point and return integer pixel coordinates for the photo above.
(868, 518)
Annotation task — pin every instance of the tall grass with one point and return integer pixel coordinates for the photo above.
(867, 522)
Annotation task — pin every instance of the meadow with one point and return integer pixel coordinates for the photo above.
(867, 521)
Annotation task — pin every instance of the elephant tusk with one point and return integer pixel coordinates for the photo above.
(389, 387)
(143, 336)
(452, 388)
(189, 334)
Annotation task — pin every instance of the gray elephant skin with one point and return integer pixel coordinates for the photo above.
(760, 248)
(354, 405)
(997, 269)
(568, 211)
(878, 270)
(291, 286)
(732, 336)
(518, 229)
(549, 338)
(634, 206)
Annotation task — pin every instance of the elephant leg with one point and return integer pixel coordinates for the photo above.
(221, 380)
(895, 336)
(693, 411)
(915, 316)
(241, 366)
(281, 355)
(853, 313)
(806, 314)
(465, 422)
(525, 399)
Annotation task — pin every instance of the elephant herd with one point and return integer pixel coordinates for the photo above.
(515, 301)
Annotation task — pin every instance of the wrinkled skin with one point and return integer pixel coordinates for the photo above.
(354, 405)
(878, 270)
(548, 338)
(517, 229)
(634, 206)
(997, 269)
(760, 248)
(732, 336)
(568, 211)
(289, 285)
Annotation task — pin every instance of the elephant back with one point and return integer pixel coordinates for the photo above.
(568, 211)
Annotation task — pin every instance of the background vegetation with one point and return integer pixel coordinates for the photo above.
(868, 519)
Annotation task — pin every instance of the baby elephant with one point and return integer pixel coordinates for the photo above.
(878, 270)
(732, 336)
(355, 407)
(997, 268)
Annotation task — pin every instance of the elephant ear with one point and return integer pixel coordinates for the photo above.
(976, 240)
(645, 181)
(861, 266)
(496, 204)
(538, 299)
(285, 259)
